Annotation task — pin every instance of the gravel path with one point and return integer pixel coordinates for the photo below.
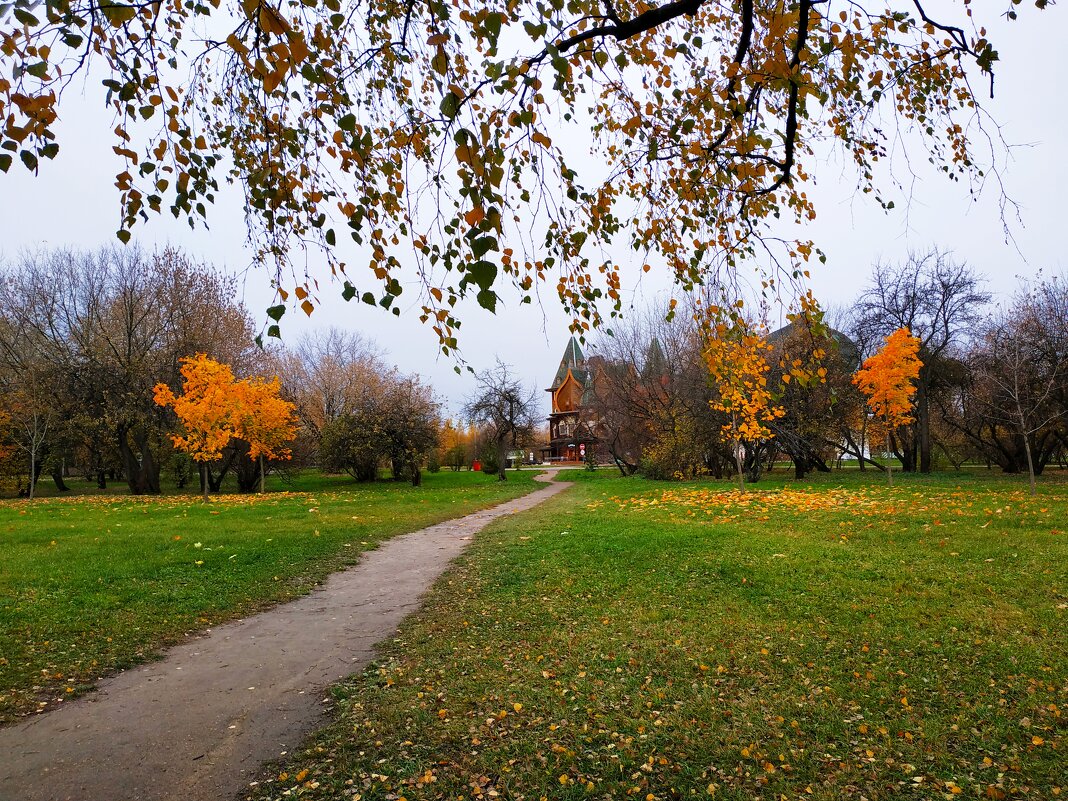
(199, 724)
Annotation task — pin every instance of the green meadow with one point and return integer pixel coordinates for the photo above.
(94, 582)
(824, 639)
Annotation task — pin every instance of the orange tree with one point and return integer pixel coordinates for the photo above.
(438, 128)
(265, 420)
(735, 356)
(886, 379)
(207, 409)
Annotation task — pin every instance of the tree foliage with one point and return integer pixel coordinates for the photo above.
(737, 363)
(886, 378)
(463, 133)
(214, 409)
(99, 329)
(393, 420)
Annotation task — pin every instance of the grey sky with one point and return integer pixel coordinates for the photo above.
(74, 202)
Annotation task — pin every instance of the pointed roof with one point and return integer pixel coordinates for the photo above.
(572, 360)
(655, 364)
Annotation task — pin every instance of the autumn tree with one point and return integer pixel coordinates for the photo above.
(939, 300)
(105, 326)
(649, 397)
(886, 378)
(392, 419)
(504, 143)
(812, 367)
(30, 416)
(736, 359)
(207, 409)
(455, 445)
(265, 420)
(1011, 403)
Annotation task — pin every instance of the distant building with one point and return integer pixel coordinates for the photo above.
(570, 436)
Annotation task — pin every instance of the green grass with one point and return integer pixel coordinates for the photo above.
(828, 639)
(95, 582)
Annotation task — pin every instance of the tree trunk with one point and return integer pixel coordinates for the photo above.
(57, 477)
(101, 478)
(262, 474)
(33, 473)
(204, 479)
(1027, 448)
(923, 426)
(738, 463)
(142, 475)
(502, 461)
(889, 460)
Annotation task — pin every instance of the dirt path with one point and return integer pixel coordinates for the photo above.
(200, 723)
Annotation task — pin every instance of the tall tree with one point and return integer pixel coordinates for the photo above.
(109, 325)
(437, 131)
(208, 409)
(265, 420)
(886, 378)
(937, 299)
(505, 408)
(736, 359)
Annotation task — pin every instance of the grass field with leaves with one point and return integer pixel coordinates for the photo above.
(826, 639)
(94, 582)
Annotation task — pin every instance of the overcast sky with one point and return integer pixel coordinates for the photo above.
(74, 202)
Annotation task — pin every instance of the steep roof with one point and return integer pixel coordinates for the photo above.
(655, 364)
(572, 360)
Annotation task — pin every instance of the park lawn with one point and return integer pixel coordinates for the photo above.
(825, 639)
(93, 583)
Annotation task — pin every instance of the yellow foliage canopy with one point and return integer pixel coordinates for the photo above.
(214, 409)
(886, 378)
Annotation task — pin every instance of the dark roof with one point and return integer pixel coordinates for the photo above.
(572, 360)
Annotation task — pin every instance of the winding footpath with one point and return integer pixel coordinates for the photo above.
(199, 724)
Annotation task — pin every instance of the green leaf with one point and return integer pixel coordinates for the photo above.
(483, 273)
(5, 162)
(123, 236)
(487, 299)
(347, 123)
(450, 106)
(483, 245)
(276, 312)
(349, 292)
(274, 331)
(29, 159)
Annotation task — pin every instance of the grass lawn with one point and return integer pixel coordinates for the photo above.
(826, 639)
(92, 583)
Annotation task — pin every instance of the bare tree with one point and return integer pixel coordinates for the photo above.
(504, 408)
(1019, 371)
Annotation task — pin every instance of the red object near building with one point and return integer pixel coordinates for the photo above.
(477, 465)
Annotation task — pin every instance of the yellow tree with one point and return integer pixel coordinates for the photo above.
(265, 420)
(735, 356)
(886, 379)
(208, 410)
(442, 134)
